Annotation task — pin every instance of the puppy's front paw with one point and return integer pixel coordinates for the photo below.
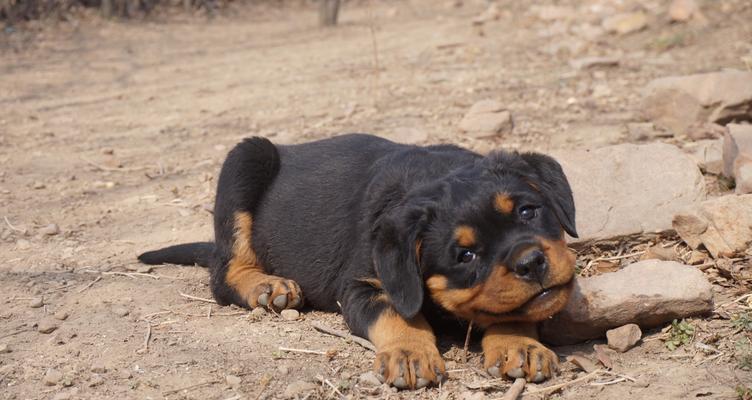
(410, 365)
(275, 293)
(519, 357)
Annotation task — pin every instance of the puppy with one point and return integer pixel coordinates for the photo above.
(389, 233)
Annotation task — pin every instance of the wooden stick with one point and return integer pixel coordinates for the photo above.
(11, 226)
(326, 381)
(344, 335)
(173, 391)
(514, 392)
(131, 274)
(304, 351)
(187, 296)
(565, 384)
(467, 342)
(83, 289)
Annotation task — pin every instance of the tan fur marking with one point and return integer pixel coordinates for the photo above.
(243, 266)
(465, 236)
(405, 348)
(511, 346)
(503, 203)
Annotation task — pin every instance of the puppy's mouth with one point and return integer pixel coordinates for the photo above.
(541, 306)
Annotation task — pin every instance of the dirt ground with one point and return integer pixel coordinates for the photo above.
(115, 132)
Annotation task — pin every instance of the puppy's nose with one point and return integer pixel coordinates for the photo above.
(532, 265)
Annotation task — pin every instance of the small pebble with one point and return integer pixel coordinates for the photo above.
(36, 302)
(624, 338)
(120, 311)
(108, 151)
(369, 379)
(290, 315)
(233, 381)
(96, 380)
(4, 348)
(23, 244)
(258, 312)
(283, 370)
(39, 185)
(47, 325)
(50, 230)
(71, 394)
(125, 374)
(61, 315)
(52, 377)
(98, 367)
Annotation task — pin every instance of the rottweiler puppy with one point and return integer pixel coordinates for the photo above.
(385, 232)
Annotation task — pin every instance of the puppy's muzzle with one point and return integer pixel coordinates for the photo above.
(532, 265)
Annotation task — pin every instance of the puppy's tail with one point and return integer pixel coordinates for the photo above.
(184, 254)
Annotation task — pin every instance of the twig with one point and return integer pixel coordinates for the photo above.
(173, 391)
(155, 314)
(187, 296)
(721, 354)
(99, 278)
(344, 335)
(467, 342)
(326, 381)
(304, 351)
(147, 338)
(111, 169)
(131, 274)
(565, 384)
(11, 226)
(627, 377)
(611, 382)
(14, 333)
(515, 390)
(232, 314)
(614, 258)
(738, 299)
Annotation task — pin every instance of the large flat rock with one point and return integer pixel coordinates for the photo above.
(628, 189)
(723, 225)
(678, 102)
(648, 293)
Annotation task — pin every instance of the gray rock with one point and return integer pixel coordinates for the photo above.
(96, 380)
(617, 189)
(36, 302)
(648, 293)
(678, 102)
(47, 325)
(61, 315)
(50, 230)
(626, 23)
(723, 225)
(120, 311)
(487, 118)
(737, 155)
(369, 379)
(4, 348)
(743, 176)
(290, 314)
(708, 154)
(299, 388)
(624, 337)
(52, 377)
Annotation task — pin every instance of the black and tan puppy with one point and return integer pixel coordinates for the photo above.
(393, 233)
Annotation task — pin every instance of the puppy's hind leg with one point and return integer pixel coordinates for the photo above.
(238, 276)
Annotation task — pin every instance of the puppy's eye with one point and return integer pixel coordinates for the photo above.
(528, 212)
(466, 256)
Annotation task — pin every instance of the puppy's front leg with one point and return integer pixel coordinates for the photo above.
(513, 350)
(406, 353)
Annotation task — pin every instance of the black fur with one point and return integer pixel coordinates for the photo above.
(329, 213)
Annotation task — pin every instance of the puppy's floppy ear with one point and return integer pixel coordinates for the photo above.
(395, 255)
(555, 187)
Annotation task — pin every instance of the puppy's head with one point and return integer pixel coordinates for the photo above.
(487, 241)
